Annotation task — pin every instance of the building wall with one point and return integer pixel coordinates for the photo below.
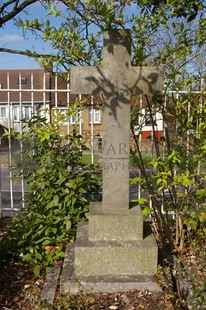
(21, 93)
(65, 101)
(31, 78)
(30, 88)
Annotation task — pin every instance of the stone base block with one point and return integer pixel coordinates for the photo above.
(106, 258)
(115, 225)
(70, 283)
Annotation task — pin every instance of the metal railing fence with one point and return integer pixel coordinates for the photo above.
(15, 107)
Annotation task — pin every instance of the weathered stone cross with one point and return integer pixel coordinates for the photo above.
(116, 79)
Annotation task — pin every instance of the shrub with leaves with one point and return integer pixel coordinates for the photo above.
(173, 186)
(174, 179)
(59, 188)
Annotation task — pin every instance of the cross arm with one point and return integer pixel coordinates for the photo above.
(145, 80)
(85, 80)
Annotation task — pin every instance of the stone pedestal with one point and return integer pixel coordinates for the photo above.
(114, 224)
(110, 253)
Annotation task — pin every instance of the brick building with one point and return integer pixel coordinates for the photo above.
(23, 92)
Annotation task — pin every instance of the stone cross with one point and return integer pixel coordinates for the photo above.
(116, 79)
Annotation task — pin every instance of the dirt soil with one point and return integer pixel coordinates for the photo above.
(19, 289)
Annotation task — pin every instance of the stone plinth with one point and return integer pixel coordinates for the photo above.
(108, 266)
(103, 258)
(115, 225)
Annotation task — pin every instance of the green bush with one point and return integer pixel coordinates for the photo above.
(59, 188)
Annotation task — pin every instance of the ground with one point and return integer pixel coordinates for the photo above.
(20, 289)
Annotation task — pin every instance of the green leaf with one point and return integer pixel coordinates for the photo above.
(147, 211)
(37, 270)
(38, 255)
(202, 217)
(68, 222)
(140, 201)
(46, 242)
(59, 255)
(54, 230)
(55, 199)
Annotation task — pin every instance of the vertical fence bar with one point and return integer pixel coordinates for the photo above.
(44, 95)
(32, 95)
(1, 211)
(200, 119)
(177, 95)
(92, 129)
(10, 146)
(56, 92)
(21, 142)
(55, 99)
(68, 105)
(188, 134)
(80, 116)
(165, 126)
(140, 145)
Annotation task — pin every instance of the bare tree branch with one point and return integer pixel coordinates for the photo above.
(7, 12)
(25, 53)
(35, 55)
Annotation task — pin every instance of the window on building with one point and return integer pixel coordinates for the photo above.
(2, 112)
(27, 113)
(148, 118)
(135, 121)
(19, 114)
(22, 80)
(16, 113)
(38, 110)
(1, 86)
(73, 119)
(96, 116)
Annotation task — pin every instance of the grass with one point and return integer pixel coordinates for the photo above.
(86, 158)
(16, 159)
(134, 160)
